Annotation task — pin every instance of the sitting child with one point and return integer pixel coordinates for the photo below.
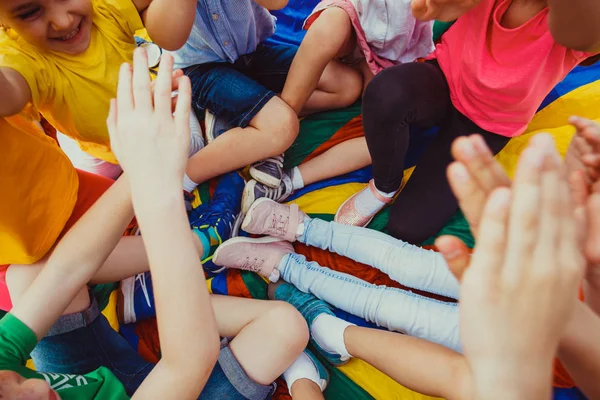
(236, 76)
(360, 37)
(489, 75)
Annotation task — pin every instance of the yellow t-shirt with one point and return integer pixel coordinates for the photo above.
(73, 92)
(38, 191)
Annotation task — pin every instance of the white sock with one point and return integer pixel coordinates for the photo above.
(367, 204)
(297, 181)
(302, 368)
(196, 139)
(328, 332)
(188, 184)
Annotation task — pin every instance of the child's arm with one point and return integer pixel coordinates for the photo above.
(574, 23)
(15, 92)
(441, 10)
(272, 4)
(76, 258)
(168, 22)
(152, 148)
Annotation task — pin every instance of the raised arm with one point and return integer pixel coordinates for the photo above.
(15, 92)
(76, 258)
(441, 10)
(152, 147)
(574, 23)
(169, 22)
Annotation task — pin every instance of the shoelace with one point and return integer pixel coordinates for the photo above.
(141, 278)
(253, 265)
(279, 224)
(277, 160)
(216, 210)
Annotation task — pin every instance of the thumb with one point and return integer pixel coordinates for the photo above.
(456, 254)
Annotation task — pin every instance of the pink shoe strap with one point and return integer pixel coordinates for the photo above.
(290, 235)
(378, 195)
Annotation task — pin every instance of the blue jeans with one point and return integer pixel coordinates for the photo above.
(93, 344)
(237, 92)
(391, 308)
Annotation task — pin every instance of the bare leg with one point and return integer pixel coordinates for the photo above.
(305, 389)
(417, 364)
(270, 133)
(353, 153)
(331, 36)
(268, 335)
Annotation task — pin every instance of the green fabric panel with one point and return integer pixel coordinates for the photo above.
(204, 192)
(255, 284)
(457, 226)
(324, 217)
(439, 28)
(102, 293)
(316, 130)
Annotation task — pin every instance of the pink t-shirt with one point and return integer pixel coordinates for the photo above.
(498, 77)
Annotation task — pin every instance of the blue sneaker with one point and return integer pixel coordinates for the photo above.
(215, 126)
(136, 299)
(310, 307)
(307, 358)
(213, 222)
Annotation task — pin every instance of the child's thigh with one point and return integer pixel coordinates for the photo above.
(227, 93)
(269, 64)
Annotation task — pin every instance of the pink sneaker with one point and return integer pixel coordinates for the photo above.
(266, 217)
(347, 214)
(257, 255)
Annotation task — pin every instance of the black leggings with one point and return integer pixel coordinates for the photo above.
(397, 98)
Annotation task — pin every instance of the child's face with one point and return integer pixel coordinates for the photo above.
(57, 25)
(13, 386)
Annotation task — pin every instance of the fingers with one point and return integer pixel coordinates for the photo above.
(456, 254)
(125, 89)
(524, 217)
(490, 250)
(163, 85)
(183, 106)
(570, 238)
(111, 120)
(471, 197)
(592, 245)
(142, 93)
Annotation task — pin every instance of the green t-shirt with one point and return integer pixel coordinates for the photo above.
(17, 341)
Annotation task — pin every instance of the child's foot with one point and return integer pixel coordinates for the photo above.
(269, 171)
(266, 217)
(361, 208)
(261, 256)
(215, 126)
(255, 190)
(326, 330)
(307, 366)
(212, 222)
(136, 299)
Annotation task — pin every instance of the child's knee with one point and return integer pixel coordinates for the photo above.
(289, 325)
(279, 123)
(332, 30)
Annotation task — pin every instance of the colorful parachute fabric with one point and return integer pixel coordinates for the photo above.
(579, 94)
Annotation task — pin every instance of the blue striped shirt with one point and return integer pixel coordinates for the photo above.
(223, 31)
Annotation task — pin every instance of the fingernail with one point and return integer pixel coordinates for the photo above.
(479, 143)
(459, 172)
(467, 149)
(452, 255)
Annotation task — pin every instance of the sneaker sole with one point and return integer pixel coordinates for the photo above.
(126, 310)
(241, 239)
(209, 125)
(248, 218)
(248, 196)
(335, 218)
(265, 179)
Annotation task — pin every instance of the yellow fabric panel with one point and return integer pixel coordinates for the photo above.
(110, 311)
(209, 285)
(554, 120)
(377, 384)
(30, 365)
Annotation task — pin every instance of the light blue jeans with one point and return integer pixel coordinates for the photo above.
(395, 309)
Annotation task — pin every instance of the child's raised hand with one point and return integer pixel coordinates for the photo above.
(522, 282)
(150, 142)
(441, 10)
(584, 150)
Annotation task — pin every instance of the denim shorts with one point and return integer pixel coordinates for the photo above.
(83, 342)
(237, 92)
